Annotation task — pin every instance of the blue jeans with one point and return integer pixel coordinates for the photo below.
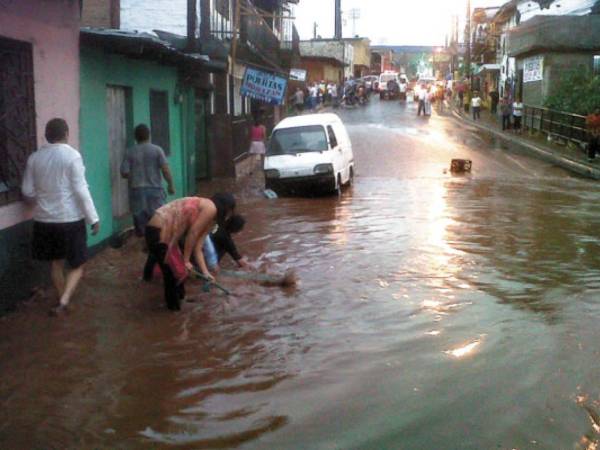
(210, 253)
(143, 202)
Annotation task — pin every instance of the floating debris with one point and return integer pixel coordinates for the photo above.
(270, 194)
(461, 166)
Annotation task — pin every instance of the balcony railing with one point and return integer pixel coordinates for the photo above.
(253, 30)
(291, 38)
(571, 127)
(258, 34)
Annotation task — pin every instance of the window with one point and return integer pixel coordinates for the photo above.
(291, 141)
(332, 139)
(17, 116)
(238, 109)
(596, 65)
(159, 120)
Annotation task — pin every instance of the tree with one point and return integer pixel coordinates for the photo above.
(577, 92)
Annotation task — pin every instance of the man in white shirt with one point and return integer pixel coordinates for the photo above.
(313, 93)
(476, 106)
(517, 114)
(422, 93)
(54, 182)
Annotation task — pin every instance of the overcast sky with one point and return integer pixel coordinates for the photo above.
(397, 22)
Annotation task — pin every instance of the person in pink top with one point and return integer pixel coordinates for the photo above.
(258, 137)
(191, 218)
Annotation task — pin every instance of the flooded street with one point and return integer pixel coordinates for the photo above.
(433, 312)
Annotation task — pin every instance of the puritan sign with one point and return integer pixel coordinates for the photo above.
(298, 75)
(264, 86)
(533, 69)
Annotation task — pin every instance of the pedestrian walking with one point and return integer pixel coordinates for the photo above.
(460, 90)
(476, 106)
(258, 137)
(517, 108)
(189, 218)
(333, 93)
(313, 95)
(429, 99)
(298, 99)
(505, 110)
(54, 182)
(145, 165)
(494, 98)
(422, 95)
(440, 94)
(467, 101)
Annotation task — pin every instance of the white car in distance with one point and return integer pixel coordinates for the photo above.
(309, 153)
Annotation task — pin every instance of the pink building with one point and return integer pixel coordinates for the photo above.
(39, 62)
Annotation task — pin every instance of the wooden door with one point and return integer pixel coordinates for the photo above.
(116, 113)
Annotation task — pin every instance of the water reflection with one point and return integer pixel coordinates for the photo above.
(465, 350)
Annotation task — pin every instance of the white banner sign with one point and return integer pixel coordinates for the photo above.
(533, 69)
(297, 75)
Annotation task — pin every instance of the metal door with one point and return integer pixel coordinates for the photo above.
(116, 113)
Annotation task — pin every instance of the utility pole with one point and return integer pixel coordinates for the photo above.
(315, 26)
(192, 25)
(338, 19)
(354, 16)
(468, 41)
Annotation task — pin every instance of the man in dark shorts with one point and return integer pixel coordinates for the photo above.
(54, 182)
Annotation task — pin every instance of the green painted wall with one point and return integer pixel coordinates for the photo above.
(98, 70)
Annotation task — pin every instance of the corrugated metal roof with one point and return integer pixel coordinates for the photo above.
(143, 45)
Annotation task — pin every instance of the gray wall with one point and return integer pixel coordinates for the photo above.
(555, 65)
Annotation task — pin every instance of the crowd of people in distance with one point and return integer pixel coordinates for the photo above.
(329, 93)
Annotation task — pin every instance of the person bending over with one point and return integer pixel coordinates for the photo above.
(192, 217)
(220, 243)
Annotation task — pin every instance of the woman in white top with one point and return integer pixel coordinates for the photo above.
(517, 114)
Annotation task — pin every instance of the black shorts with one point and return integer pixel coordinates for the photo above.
(54, 241)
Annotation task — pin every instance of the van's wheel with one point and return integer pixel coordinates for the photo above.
(351, 177)
(338, 187)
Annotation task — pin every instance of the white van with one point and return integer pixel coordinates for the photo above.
(309, 152)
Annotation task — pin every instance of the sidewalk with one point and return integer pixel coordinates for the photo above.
(568, 157)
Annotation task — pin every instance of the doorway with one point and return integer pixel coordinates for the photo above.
(118, 113)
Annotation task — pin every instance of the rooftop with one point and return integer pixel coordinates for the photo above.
(555, 33)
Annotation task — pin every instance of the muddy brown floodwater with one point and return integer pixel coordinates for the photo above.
(433, 312)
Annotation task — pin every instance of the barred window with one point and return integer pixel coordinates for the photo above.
(17, 116)
(159, 120)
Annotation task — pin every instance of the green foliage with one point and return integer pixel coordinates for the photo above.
(578, 92)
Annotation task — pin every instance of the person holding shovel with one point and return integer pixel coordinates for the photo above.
(192, 217)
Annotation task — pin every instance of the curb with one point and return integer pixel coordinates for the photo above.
(546, 155)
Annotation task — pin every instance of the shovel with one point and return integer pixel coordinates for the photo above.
(209, 282)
